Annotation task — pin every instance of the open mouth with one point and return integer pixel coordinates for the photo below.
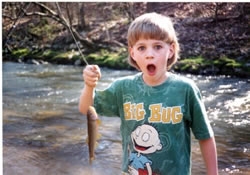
(141, 148)
(151, 69)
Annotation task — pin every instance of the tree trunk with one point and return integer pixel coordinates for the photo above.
(13, 10)
(82, 16)
(68, 13)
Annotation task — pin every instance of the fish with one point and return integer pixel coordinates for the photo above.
(93, 134)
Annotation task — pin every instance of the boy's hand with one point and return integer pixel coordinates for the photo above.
(91, 75)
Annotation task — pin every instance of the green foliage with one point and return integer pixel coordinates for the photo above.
(232, 67)
(19, 53)
(118, 60)
(44, 55)
(202, 62)
(67, 57)
(228, 62)
(43, 30)
(196, 60)
(223, 65)
(49, 53)
(114, 60)
(194, 63)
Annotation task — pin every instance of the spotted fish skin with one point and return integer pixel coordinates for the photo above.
(93, 123)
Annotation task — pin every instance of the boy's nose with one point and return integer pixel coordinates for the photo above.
(149, 54)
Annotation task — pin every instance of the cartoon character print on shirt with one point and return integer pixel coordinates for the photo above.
(146, 140)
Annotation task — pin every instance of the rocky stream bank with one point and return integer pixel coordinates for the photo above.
(209, 46)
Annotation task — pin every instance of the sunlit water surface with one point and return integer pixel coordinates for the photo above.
(44, 134)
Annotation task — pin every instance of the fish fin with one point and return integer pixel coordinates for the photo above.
(98, 122)
(96, 145)
(98, 136)
(91, 160)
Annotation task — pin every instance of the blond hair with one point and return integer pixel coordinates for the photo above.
(153, 26)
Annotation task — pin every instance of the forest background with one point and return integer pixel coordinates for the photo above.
(214, 37)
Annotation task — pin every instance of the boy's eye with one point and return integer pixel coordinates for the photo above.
(158, 47)
(141, 48)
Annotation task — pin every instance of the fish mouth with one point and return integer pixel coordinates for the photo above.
(151, 68)
(141, 148)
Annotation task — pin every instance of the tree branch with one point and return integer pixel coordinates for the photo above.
(86, 41)
(46, 8)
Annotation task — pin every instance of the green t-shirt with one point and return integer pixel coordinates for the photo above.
(156, 122)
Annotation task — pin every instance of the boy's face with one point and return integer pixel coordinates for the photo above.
(152, 56)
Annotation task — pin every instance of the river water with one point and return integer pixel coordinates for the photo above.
(44, 134)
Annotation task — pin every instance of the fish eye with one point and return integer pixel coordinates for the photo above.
(145, 137)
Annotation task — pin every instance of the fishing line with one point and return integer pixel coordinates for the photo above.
(72, 34)
(78, 46)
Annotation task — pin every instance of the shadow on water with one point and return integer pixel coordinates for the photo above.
(44, 134)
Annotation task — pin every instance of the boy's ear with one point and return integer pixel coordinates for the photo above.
(131, 52)
(171, 49)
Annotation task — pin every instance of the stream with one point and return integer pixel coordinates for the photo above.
(44, 134)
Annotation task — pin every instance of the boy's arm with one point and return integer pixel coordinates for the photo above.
(208, 149)
(86, 99)
(91, 75)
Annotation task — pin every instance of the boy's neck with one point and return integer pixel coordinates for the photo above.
(155, 81)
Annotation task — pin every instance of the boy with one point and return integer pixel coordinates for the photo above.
(157, 108)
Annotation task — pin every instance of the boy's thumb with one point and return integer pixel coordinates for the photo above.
(95, 67)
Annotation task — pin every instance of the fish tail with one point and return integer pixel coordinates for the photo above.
(91, 160)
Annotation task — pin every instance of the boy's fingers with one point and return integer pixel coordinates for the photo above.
(97, 70)
(91, 81)
(95, 67)
(90, 73)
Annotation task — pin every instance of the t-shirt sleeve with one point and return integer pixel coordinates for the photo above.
(200, 124)
(105, 101)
